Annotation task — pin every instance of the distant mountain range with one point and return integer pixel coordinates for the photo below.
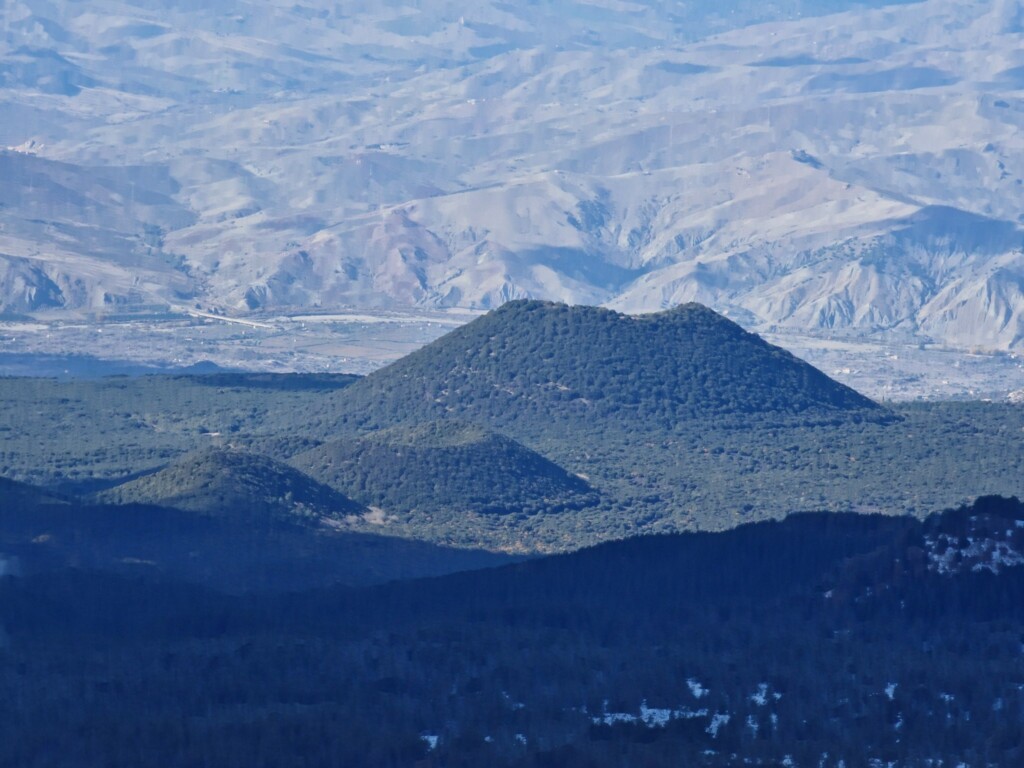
(829, 167)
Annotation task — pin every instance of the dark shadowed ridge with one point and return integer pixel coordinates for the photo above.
(17, 495)
(232, 551)
(534, 366)
(808, 564)
(834, 562)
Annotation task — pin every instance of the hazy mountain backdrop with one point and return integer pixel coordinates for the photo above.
(803, 164)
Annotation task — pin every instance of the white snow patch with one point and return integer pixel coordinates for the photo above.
(890, 690)
(760, 696)
(718, 720)
(655, 717)
(611, 718)
(752, 725)
(949, 554)
(698, 690)
(431, 739)
(652, 717)
(516, 705)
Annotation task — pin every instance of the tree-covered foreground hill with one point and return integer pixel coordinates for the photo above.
(248, 537)
(822, 640)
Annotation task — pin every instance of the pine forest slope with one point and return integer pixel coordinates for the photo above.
(753, 567)
(652, 466)
(445, 466)
(534, 367)
(820, 640)
(220, 482)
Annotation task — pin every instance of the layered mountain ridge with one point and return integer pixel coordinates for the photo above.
(837, 168)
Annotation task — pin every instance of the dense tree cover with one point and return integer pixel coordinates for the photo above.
(18, 496)
(227, 551)
(138, 634)
(81, 435)
(223, 482)
(704, 473)
(535, 364)
(445, 467)
(819, 640)
(675, 421)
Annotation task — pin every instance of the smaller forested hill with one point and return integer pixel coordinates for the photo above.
(531, 364)
(236, 484)
(445, 465)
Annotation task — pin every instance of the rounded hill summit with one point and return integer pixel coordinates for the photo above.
(529, 364)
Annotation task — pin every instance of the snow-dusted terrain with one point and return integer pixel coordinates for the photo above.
(849, 175)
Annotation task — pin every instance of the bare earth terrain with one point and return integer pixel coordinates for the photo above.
(811, 172)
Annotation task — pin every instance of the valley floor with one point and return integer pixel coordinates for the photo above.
(365, 340)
